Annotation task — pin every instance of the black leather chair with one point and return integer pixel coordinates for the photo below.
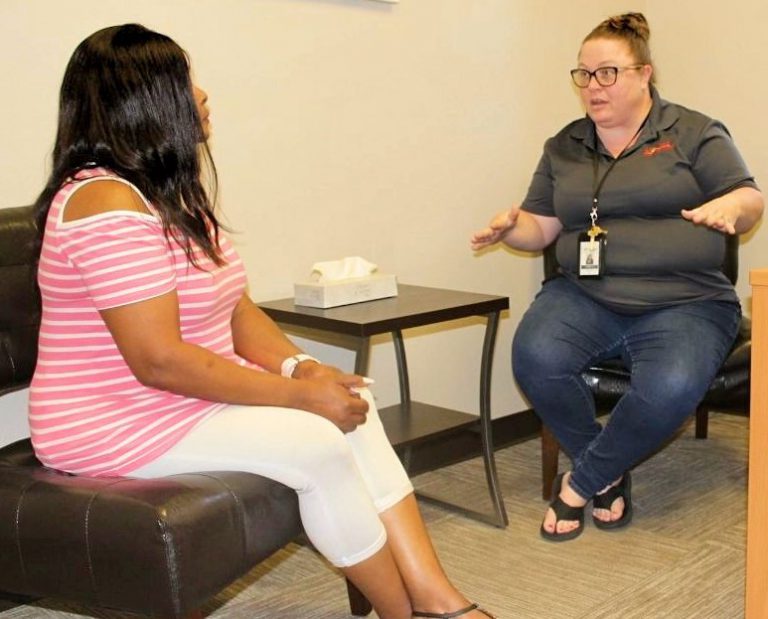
(157, 547)
(610, 379)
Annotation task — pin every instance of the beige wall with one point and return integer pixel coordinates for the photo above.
(390, 131)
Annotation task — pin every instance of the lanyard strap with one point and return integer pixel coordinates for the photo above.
(597, 185)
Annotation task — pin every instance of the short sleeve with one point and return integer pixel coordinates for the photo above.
(717, 165)
(122, 257)
(540, 197)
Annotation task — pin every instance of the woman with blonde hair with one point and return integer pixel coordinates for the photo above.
(639, 196)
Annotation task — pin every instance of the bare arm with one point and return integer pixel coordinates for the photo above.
(259, 340)
(518, 229)
(148, 337)
(735, 212)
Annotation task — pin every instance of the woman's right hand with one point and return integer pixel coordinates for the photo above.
(336, 401)
(500, 225)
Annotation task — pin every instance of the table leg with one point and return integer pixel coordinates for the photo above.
(405, 388)
(485, 420)
(362, 351)
(402, 368)
(499, 516)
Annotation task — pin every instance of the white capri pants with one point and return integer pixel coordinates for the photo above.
(343, 481)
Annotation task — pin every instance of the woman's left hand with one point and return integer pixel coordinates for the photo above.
(732, 213)
(309, 370)
(715, 215)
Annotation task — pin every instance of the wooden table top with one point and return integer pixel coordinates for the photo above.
(414, 306)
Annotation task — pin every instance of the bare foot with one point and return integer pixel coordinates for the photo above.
(617, 507)
(569, 497)
(612, 507)
(473, 612)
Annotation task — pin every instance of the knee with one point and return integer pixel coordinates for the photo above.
(536, 356)
(674, 393)
(327, 447)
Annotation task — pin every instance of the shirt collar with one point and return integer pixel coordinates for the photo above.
(662, 116)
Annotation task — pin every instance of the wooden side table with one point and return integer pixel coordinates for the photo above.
(756, 606)
(409, 421)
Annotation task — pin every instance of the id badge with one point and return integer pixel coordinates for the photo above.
(591, 256)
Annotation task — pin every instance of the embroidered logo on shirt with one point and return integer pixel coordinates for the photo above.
(655, 149)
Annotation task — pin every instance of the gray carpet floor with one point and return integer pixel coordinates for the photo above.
(682, 557)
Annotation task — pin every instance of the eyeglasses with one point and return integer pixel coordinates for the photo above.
(605, 76)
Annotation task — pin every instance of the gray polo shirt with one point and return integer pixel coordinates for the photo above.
(654, 257)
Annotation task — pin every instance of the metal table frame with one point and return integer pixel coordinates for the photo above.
(414, 306)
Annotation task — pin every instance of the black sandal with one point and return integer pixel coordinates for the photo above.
(622, 490)
(563, 511)
(455, 613)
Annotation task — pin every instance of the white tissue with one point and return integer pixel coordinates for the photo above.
(346, 268)
(343, 282)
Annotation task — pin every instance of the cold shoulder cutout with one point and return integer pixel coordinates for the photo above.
(102, 194)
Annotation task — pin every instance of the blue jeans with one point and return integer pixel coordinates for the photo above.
(673, 354)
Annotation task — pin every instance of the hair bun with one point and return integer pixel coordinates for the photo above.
(629, 22)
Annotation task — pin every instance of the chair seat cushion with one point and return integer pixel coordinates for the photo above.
(610, 379)
(157, 547)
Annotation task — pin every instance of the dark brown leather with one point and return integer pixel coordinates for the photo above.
(609, 380)
(19, 304)
(156, 547)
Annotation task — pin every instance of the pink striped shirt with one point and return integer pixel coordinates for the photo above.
(88, 413)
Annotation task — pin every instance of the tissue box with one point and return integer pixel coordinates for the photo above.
(345, 291)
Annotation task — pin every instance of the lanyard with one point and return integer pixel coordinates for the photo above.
(597, 185)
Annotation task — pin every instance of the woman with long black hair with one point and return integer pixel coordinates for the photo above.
(153, 360)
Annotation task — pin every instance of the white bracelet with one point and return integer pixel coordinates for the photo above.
(288, 367)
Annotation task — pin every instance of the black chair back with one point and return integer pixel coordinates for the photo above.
(19, 298)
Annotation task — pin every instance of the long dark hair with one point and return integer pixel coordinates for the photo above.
(127, 104)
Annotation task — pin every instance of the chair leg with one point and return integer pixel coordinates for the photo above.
(358, 603)
(702, 422)
(550, 450)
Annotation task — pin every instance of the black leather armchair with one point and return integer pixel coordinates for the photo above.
(610, 379)
(157, 547)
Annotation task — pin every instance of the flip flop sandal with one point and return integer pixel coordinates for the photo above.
(455, 613)
(622, 490)
(563, 511)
